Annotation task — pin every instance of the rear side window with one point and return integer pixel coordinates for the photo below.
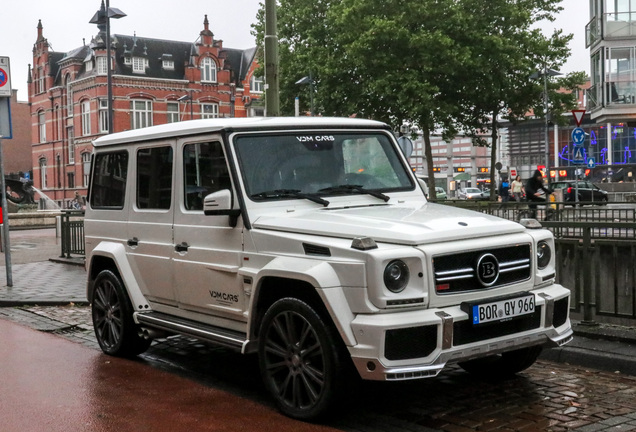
(154, 178)
(109, 180)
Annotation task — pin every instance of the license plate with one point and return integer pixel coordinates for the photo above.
(503, 309)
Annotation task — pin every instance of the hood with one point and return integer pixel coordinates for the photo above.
(398, 224)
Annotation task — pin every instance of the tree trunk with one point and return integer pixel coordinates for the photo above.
(493, 156)
(432, 195)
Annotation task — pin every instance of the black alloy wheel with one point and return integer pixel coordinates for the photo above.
(300, 359)
(116, 332)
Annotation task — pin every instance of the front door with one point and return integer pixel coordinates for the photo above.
(207, 250)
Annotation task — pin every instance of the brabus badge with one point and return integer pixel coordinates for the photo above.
(487, 269)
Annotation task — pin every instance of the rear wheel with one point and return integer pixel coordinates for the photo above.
(504, 364)
(301, 359)
(116, 332)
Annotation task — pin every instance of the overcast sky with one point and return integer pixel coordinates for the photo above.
(66, 24)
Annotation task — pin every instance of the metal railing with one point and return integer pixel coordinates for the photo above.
(595, 255)
(72, 233)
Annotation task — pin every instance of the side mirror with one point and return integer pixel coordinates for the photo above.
(219, 203)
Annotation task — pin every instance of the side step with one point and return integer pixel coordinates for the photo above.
(228, 338)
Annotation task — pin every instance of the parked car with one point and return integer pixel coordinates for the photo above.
(470, 193)
(588, 191)
(440, 193)
(307, 242)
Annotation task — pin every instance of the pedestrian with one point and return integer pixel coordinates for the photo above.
(517, 188)
(533, 187)
(504, 190)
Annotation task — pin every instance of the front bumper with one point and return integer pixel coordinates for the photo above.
(445, 335)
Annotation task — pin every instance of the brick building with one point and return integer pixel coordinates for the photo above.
(17, 151)
(154, 82)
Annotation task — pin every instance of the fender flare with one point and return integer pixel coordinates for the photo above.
(322, 277)
(117, 253)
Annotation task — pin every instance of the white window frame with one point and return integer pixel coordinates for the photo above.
(86, 167)
(42, 126)
(172, 115)
(103, 115)
(128, 60)
(41, 78)
(256, 84)
(102, 63)
(69, 97)
(42, 163)
(140, 113)
(168, 64)
(88, 65)
(86, 117)
(209, 110)
(208, 70)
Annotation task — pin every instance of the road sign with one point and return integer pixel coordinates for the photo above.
(578, 116)
(5, 77)
(513, 172)
(578, 136)
(579, 155)
(591, 162)
(5, 119)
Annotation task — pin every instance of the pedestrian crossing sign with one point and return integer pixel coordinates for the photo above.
(579, 155)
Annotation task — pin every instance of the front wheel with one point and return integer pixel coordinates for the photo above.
(504, 364)
(116, 332)
(301, 359)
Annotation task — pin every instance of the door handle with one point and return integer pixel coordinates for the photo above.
(133, 242)
(182, 247)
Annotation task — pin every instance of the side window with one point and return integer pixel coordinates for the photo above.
(154, 178)
(205, 171)
(109, 180)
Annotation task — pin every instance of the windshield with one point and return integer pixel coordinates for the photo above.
(321, 164)
(473, 190)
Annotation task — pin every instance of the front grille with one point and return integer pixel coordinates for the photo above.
(408, 343)
(465, 332)
(461, 272)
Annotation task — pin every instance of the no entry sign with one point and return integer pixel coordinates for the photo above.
(5, 77)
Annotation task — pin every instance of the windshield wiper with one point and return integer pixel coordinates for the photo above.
(296, 193)
(356, 188)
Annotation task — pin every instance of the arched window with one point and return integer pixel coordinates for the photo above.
(43, 173)
(208, 70)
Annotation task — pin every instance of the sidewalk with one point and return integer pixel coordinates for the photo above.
(42, 278)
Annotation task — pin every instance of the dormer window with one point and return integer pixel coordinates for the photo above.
(168, 64)
(128, 61)
(88, 64)
(139, 64)
(208, 70)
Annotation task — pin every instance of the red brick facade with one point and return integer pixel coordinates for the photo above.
(17, 151)
(153, 81)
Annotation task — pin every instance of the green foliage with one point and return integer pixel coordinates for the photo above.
(441, 65)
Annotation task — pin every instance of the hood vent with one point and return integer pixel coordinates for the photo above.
(316, 250)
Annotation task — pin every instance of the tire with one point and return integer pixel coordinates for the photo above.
(301, 359)
(116, 332)
(503, 365)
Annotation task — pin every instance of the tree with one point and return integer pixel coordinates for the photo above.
(435, 64)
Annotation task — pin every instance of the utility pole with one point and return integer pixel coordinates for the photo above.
(272, 97)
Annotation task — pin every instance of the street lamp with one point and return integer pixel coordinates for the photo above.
(187, 97)
(102, 19)
(545, 73)
(308, 80)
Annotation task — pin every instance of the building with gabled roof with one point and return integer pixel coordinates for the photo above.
(154, 81)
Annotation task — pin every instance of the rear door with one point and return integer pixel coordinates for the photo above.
(208, 250)
(150, 243)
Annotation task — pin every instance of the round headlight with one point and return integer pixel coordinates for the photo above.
(544, 254)
(396, 276)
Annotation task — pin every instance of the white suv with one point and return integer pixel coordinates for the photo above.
(309, 242)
